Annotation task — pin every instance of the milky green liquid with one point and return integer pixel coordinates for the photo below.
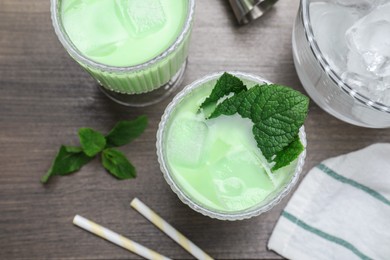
(123, 32)
(216, 162)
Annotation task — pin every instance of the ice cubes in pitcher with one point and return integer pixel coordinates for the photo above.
(330, 21)
(370, 38)
(368, 66)
(354, 37)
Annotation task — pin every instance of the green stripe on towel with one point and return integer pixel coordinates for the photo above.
(353, 183)
(324, 235)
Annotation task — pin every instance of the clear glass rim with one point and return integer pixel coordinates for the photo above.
(79, 57)
(240, 215)
(324, 64)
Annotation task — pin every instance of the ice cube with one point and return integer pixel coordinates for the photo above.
(186, 142)
(146, 15)
(240, 179)
(231, 185)
(355, 64)
(372, 88)
(330, 21)
(385, 98)
(386, 82)
(361, 83)
(359, 77)
(84, 21)
(370, 38)
(360, 4)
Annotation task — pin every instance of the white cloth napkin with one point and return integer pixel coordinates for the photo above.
(341, 210)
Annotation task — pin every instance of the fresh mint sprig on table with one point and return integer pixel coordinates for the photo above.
(70, 159)
(276, 111)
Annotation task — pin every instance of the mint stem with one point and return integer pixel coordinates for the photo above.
(46, 177)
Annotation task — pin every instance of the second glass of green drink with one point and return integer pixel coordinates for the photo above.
(215, 166)
(136, 50)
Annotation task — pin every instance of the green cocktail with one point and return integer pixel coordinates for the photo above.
(215, 165)
(128, 46)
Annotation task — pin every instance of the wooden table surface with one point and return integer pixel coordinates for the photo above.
(45, 97)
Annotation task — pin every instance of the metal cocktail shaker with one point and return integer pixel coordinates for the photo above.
(248, 10)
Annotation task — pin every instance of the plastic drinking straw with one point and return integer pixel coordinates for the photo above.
(169, 230)
(117, 239)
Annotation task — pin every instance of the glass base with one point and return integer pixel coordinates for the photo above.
(149, 98)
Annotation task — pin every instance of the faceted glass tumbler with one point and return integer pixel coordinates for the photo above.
(274, 198)
(139, 85)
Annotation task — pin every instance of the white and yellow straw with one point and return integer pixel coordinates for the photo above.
(169, 230)
(117, 239)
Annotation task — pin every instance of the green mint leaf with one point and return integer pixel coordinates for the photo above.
(288, 154)
(68, 160)
(117, 164)
(91, 141)
(277, 113)
(228, 107)
(240, 103)
(225, 85)
(126, 131)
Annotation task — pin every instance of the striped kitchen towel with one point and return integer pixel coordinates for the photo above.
(341, 210)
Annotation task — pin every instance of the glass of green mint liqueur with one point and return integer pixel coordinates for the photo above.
(214, 165)
(136, 50)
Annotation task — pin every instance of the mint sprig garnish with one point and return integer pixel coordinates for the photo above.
(277, 113)
(70, 159)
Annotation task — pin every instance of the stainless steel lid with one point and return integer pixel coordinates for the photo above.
(248, 10)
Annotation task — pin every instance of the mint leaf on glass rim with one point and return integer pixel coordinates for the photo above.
(91, 141)
(240, 103)
(225, 85)
(126, 131)
(68, 160)
(116, 163)
(278, 112)
(288, 154)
